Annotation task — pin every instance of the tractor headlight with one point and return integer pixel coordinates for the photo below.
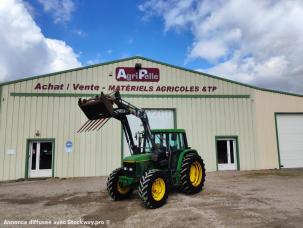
(125, 168)
(130, 169)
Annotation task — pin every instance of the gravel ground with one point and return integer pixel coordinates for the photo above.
(271, 198)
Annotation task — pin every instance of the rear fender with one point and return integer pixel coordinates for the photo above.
(179, 165)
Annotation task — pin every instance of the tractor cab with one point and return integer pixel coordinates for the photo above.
(169, 143)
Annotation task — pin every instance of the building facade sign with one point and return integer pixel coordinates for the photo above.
(128, 80)
(131, 74)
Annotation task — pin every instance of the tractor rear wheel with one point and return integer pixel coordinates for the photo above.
(192, 175)
(153, 189)
(114, 188)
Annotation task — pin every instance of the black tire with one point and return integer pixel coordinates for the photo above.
(149, 198)
(195, 185)
(115, 191)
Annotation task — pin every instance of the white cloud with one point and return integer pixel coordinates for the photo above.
(61, 10)
(24, 50)
(208, 49)
(30, 9)
(258, 42)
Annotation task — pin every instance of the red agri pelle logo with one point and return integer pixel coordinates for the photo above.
(132, 74)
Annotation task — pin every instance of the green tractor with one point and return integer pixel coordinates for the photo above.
(160, 161)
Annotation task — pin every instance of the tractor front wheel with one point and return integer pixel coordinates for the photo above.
(114, 188)
(192, 174)
(153, 189)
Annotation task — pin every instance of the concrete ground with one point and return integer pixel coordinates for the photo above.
(231, 199)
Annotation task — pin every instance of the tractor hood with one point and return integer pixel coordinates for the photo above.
(138, 158)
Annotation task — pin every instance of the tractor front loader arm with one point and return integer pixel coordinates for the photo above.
(112, 105)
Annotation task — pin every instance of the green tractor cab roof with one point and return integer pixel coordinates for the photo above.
(168, 130)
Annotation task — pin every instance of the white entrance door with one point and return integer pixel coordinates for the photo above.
(159, 118)
(226, 149)
(290, 134)
(40, 159)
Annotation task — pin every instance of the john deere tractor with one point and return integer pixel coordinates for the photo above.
(160, 160)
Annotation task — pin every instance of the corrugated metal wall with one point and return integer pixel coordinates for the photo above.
(267, 104)
(98, 153)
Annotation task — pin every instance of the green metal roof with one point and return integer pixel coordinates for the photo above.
(154, 61)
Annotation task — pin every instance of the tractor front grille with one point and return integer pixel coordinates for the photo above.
(129, 168)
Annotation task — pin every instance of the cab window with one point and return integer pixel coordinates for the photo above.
(160, 140)
(176, 141)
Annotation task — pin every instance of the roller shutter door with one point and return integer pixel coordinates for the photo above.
(290, 135)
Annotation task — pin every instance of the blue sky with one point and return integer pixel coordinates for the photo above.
(102, 31)
(254, 42)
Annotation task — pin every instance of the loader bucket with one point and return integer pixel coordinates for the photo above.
(98, 107)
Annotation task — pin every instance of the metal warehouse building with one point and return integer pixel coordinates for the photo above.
(232, 125)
